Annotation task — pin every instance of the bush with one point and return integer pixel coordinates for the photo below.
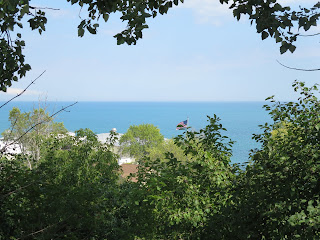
(180, 197)
(278, 194)
(72, 194)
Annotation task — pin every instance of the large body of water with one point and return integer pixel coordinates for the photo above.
(241, 119)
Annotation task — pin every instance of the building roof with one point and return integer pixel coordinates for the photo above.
(129, 168)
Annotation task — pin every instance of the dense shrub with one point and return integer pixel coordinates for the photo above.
(72, 193)
(278, 194)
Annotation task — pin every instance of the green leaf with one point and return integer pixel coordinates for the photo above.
(80, 32)
(292, 48)
(120, 40)
(264, 35)
(105, 17)
(24, 10)
(91, 30)
(277, 7)
(283, 49)
(294, 16)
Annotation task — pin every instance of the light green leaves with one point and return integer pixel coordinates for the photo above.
(138, 139)
(284, 170)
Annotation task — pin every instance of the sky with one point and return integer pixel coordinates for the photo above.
(197, 52)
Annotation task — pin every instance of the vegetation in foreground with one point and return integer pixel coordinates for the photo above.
(193, 192)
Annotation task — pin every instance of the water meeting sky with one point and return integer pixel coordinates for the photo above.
(197, 52)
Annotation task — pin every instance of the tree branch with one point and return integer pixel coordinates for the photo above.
(18, 95)
(37, 232)
(299, 69)
(16, 190)
(14, 124)
(44, 229)
(309, 35)
(31, 128)
(49, 8)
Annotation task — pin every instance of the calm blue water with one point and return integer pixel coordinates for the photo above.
(241, 119)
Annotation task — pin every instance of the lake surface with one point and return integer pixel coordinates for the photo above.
(241, 119)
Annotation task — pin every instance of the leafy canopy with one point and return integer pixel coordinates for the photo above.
(70, 194)
(139, 139)
(180, 198)
(74, 191)
(280, 188)
(30, 129)
(159, 151)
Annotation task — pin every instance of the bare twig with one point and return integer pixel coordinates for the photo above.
(37, 124)
(44, 229)
(18, 95)
(37, 232)
(49, 8)
(9, 38)
(16, 190)
(79, 14)
(14, 124)
(309, 35)
(299, 69)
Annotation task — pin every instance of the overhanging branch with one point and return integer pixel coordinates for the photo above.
(49, 8)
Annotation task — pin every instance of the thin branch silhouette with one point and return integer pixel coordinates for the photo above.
(24, 90)
(35, 125)
(49, 8)
(299, 69)
(44, 229)
(14, 124)
(16, 190)
(309, 35)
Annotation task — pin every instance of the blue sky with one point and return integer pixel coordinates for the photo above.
(197, 52)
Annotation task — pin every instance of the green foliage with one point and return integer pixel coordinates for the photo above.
(280, 130)
(181, 197)
(29, 129)
(278, 194)
(12, 60)
(275, 197)
(159, 151)
(277, 21)
(72, 194)
(270, 17)
(138, 139)
(210, 139)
